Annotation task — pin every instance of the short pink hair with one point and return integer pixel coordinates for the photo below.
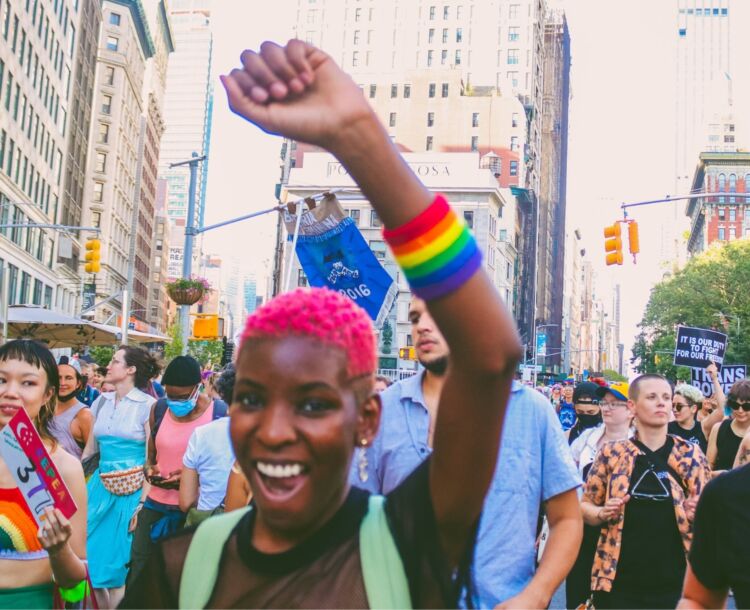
(322, 314)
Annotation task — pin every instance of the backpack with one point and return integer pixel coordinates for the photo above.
(160, 410)
(382, 567)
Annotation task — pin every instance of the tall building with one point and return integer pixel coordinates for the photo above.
(704, 67)
(39, 46)
(571, 318)
(250, 297)
(187, 115)
(159, 301)
(113, 191)
(460, 77)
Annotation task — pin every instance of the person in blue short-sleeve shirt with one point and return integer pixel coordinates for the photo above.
(535, 466)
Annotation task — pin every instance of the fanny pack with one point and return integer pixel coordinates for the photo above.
(123, 482)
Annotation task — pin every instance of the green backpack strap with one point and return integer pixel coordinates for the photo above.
(204, 556)
(385, 579)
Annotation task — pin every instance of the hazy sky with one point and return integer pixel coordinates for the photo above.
(621, 134)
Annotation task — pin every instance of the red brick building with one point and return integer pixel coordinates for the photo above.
(721, 217)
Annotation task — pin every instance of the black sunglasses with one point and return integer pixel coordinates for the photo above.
(734, 405)
(679, 406)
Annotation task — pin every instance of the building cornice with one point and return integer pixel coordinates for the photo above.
(140, 23)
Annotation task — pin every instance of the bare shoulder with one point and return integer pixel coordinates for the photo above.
(84, 415)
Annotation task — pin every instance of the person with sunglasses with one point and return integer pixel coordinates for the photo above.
(642, 493)
(685, 403)
(726, 436)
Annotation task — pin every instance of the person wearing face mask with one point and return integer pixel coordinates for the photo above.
(588, 414)
(172, 421)
(73, 422)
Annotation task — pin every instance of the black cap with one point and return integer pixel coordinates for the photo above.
(586, 391)
(182, 371)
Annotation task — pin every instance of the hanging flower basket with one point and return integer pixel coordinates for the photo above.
(187, 292)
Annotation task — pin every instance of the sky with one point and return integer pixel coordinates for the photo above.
(621, 142)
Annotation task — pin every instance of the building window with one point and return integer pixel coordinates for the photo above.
(301, 278)
(732, 233)
(114, 19)
(443, 57)
(354, 215)
(96, 219)
(48, 297)
(431, 90)
(357, 14)
(513, 33)
(373, 90)
(36, 299)
(721, 233)
(432, 12)
(457, 59)
(101, 162)
(732, 215)
(459, 35)
(428, 143)
(475, 119)
(445, 89)
(474, 143)
(514, 143)
(513, 79)
(378, 248)
(355, 59)
(512, 56)
(407, 91)
(106, 104)
(469, 219)
(514, 120)
(103, 133)
(445, 35)
(375, 219)
(392, 119)
(430, 57)
(394, 91)
(446, 12)
(356, 37)
(23, 297)
(98, 191)
(112, 43)
(513, 11)
(431, 36)
(722, 213)
(109, 75)
(12, 284)
(430, 119)
(514, 168)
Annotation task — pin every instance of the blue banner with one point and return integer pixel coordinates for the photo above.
(341, 259)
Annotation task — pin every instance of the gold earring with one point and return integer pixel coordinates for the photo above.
(362, 461)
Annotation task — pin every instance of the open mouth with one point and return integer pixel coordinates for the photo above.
(281, 480)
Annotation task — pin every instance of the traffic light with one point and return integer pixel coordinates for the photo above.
(93, 255)
(206, 326)
(613, 244)
(227, 352)
(633, 240)
(407, 353)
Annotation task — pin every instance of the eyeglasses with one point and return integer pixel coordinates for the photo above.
(612, 405)
(735, 405)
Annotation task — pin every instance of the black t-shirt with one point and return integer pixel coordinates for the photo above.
(324, 571)
(695, 435)
(727, 445)
(720, 553)
(652, 557)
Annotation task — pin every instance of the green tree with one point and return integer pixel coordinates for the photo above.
(102, 354)
(707, 293)
(174, 348)
(205, 351)
(611, 375)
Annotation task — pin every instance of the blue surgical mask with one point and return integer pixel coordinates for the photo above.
(181, 408)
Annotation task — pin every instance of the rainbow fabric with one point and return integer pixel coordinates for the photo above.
(18, 529)
(435, 250)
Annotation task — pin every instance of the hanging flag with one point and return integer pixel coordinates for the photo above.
(334, 255)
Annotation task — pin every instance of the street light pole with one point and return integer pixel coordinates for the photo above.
(536, 352)
(187, 255)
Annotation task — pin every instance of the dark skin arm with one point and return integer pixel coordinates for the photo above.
(299, 92)
(696, 596)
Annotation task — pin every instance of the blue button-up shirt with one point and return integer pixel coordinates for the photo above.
(535, 465)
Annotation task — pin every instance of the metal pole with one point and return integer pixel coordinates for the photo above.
(535, 354)
(187, 255)
(6, 299)
(288, 280)
(125, 317)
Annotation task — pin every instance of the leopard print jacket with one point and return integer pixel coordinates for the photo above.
(609, 477)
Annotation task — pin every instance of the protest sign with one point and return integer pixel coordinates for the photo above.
(728, 374)
(698, 347)
(333, 254)
(32, 468)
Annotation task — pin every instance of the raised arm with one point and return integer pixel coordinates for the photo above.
(718, 392)
(299, 92)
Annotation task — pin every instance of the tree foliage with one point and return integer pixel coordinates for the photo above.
(102, 354)
(174, 348)
(206, 351)
(612, 375)
(709, 292)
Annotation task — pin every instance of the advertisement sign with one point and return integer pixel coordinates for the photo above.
(89, 295)
(698, 347)
(728, 374)
(541, 344)
(32, 468)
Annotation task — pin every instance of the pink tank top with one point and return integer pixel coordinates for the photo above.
(171, 444)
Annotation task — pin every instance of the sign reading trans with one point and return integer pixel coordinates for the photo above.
(698, 347)
(333, 254)
(727, 376)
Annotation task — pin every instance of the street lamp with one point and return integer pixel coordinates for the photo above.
(536, 350)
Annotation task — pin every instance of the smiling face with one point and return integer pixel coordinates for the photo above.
(431, 347)
(295, 421)
(22, 386)
(653, 402)
(69, 385)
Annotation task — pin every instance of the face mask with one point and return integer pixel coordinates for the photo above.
(180, 408)
(586, 420)
(66, 397)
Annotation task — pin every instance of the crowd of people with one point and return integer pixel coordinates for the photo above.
(297, 478)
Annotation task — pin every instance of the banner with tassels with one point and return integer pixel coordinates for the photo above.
(334, 254)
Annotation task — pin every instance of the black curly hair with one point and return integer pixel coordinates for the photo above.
(225, 383)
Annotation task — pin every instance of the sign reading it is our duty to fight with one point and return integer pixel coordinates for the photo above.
(32, 468)
(699, 347)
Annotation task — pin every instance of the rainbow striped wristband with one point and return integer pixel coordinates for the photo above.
(436, 251)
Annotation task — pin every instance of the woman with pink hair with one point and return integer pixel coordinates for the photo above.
(304, 397)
